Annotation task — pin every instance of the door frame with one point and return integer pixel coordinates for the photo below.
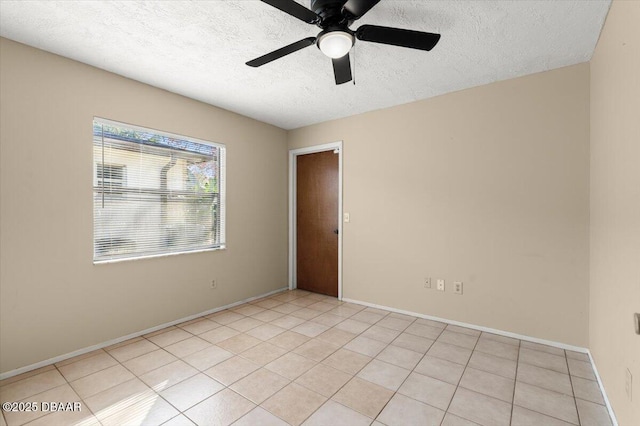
(293, 154)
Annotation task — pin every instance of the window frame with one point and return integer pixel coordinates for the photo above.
(221, 245)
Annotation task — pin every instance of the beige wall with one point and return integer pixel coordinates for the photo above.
(488, 186)
(615, 206)
(53, 300)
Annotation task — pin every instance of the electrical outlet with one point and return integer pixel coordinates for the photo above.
(427, 282)
(457, 287)
(440, 285)
(214, 284)
(628, 384)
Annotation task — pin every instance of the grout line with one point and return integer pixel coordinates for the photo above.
(352, 375)
(515, 382)
(400, 332)
(84, 403)
(573, 392)
(410, 372)
(135, 377)
(321, 363)
(477, 393)
(548, 390)
(548, 369)
(543, 414)
(460, 379)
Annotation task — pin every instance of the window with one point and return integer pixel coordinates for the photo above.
(155, 193)
(112, 177)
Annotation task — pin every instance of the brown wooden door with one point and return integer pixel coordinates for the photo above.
(317, 222)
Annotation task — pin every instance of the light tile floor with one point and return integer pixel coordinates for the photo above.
(303, 358)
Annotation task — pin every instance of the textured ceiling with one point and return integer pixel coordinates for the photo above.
(199, 49)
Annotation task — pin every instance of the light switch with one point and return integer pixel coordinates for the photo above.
(347, 218)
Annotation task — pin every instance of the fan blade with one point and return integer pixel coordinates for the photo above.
(294, 9)
(342, 69)
(398, 37)
(357, 8)
(283, 51)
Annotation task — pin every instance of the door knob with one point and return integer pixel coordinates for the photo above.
(335, 231)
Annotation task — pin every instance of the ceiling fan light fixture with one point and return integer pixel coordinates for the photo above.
(335, 44)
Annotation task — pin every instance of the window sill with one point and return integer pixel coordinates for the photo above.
(128, 259)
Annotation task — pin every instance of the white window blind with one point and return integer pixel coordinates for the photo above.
(155, 193)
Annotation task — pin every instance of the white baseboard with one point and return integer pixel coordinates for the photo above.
(612, 415)
(357, 302)
(502, 333)
(129, 336)
(475, 327)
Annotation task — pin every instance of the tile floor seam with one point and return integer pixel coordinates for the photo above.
(499, 356)
(356, 373)
(69, 384)
(515, 382)
(421, 402)
(592, 402)
(370, 325)
(411, 371)
(157, 394)
(154, 369)
(180, 413)
(81, 400)
(493, 374)
(548, 369)
(457, 346)
(439, 334)
(338, 402)
(312, 413)
(573, 392)
(93, 372)
(460, 379)
(549, 415)
(348, 381)
(461, 416)
(28, 374)
(543, 352)
(405, 379)
(337, 391)
(124, 345)
(44, 415)
(394, 329)
(348, 313)
(464, 334)
(175, 384)
(546, 415)
(248, 412)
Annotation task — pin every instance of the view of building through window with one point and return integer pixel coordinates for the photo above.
(155, 193)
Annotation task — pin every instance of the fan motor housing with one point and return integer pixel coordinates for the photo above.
(319, 5)
(330, 12)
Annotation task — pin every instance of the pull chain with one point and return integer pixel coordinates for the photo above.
(354, 64)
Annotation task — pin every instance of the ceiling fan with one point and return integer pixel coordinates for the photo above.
(336, 39)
